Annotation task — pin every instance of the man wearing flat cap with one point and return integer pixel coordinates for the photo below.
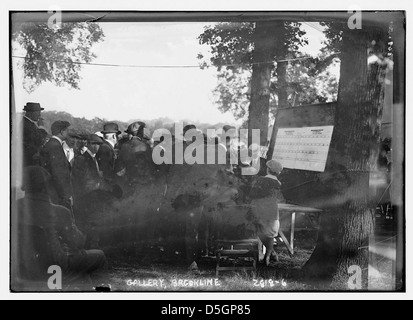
(32, 135)
(106, 156)
(54, 159)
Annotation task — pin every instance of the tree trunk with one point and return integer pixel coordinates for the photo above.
(282, 82)
(266, 37)
(342, 246)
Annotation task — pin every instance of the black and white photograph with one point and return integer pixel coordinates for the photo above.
(189, 151)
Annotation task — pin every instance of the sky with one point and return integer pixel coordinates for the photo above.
(119, 93)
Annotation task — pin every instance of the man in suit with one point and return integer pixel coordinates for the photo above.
(86, 173)
(63, 244)
(54, 160)
(106, 156)
(92, 193)
(32, 135)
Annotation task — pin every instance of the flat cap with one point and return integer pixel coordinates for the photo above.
(75, 134)
(94, 139)
(59, 125)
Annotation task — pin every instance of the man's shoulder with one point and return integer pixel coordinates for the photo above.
(27, 122)
(105, 146)
(270, 181)
(29, 125)
(52, 143)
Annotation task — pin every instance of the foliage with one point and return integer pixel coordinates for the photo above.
(80, 124)
(308, 83)
(231, 45)
(54, 54)
(96, 124)
(309, 80)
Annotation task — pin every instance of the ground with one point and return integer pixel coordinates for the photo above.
(157, 268)
(153, 269)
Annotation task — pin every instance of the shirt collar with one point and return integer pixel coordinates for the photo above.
(58, 139)
(111, 143)
(90, 152)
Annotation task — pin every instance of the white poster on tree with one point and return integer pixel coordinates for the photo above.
(303, 148)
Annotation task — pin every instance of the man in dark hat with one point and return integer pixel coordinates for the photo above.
(54, 159)
(91, 190)
(63, 244)
(106, 155)
(136, 155)
(32, 136)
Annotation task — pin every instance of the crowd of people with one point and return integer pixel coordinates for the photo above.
(67, 175)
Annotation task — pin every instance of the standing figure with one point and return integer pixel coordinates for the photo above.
(92, 193)
(135, 156)
(106, 155)
(54, 160)
(33, 137)
(265, 195)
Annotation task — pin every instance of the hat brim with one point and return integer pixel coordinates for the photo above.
(130, 132)
(41, 109)
(117, 132)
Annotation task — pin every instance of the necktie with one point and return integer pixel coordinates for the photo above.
(96, 163)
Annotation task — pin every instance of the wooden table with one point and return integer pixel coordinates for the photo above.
(293, 209)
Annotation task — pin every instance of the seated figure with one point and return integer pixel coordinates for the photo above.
(264, 197)
(50, 230)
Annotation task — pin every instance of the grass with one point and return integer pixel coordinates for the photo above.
(134, 270)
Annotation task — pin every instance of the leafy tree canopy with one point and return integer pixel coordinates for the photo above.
(232, 45)
(55, 54)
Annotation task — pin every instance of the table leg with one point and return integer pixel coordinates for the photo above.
(292, 231)
(286, 243)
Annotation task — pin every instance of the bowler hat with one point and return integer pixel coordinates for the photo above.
(275, 166)
(111, 127)
(134, 127)
(32, 106)
(94, 139)
(59, 126)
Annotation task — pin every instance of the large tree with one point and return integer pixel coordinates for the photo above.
(55, 54)
(292, 81)
(348, 222)
(245, 55)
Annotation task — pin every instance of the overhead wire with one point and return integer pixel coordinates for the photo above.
(160, 66)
